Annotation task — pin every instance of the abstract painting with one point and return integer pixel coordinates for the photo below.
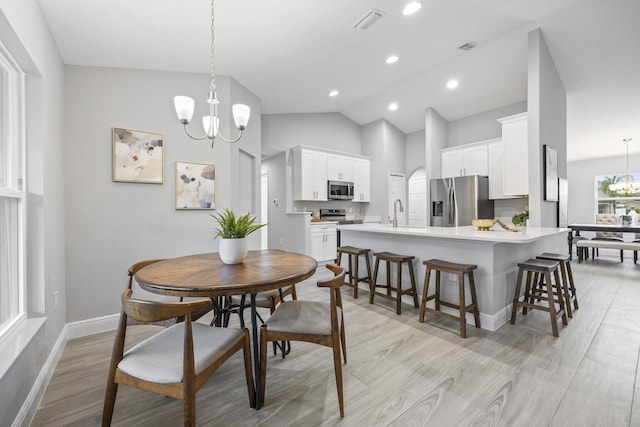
(195, 184)
(138, 156)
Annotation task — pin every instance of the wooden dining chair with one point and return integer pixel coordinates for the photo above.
(177, 361)
(131, 272)
(311, 321)
(269, 300)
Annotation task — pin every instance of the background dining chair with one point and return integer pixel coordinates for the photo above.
(177, 361)
(311, 321)
(607, 235)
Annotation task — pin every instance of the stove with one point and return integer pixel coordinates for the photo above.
(339, 215)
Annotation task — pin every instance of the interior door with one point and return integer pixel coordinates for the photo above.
(418, 198)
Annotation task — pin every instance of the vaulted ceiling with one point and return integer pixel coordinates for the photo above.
(292, 53)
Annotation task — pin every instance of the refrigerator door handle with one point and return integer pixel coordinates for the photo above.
(451, 196)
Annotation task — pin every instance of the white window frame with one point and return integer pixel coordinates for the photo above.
(12, 180)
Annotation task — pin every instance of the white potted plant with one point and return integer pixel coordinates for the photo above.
(233, 231)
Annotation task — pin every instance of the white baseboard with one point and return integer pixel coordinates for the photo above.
(71, 330)
(30, 405)
(96, 325)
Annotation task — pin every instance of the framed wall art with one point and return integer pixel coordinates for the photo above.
(195, 185)
(550, 174)
(563, 202)
(138, 156)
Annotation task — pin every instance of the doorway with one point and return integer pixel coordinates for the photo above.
(264, 209)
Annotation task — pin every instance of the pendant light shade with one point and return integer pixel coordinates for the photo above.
(184, 108)
(241, 115)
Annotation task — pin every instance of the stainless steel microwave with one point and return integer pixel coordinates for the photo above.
(340, 190)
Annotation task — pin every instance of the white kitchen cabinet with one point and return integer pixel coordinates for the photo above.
(496, 168)
(361, 180)
(324, 241)
(515, 152)
(470, 159)
(339, 167)
(309, 174)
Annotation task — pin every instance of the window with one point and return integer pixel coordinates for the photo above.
(618, 194)
(12, 195)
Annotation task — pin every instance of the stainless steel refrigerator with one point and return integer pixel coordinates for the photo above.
(456, 201)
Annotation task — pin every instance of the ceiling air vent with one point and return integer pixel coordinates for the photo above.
(467, 46)
(369, 19)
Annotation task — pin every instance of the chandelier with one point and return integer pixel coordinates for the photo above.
(184, 106)
(628, 186)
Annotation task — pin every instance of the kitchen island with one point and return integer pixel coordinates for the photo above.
(496, 252)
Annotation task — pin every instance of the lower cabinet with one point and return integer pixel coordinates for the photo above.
(324, 241)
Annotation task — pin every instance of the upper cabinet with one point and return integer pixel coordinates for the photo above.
(361, 180)
(314, 167)
(496, 170)
(309, 174)
(339, 167)
(515, 153)
(469, 159)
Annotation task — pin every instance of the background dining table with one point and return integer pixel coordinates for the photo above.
(612, 228)
(205, 275)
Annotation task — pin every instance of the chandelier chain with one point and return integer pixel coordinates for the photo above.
(184, 104)
(213, 53)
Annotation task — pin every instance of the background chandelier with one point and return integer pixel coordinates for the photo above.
(628, 186)
(184, 106)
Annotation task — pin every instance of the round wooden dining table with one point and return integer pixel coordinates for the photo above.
(205, 275)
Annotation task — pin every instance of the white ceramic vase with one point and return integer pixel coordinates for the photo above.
(233, 251)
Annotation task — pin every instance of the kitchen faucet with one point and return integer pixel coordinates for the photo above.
(395, 214)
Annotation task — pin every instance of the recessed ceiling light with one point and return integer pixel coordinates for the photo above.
(334, 93)
(412, 8)
(452, 84)
(391, 59)
(393, 106)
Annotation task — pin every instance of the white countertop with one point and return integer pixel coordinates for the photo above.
(495, 235)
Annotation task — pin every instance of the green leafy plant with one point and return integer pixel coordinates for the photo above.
(521, 218)
(234, 227)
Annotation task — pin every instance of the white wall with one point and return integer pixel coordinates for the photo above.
(415, 151)
(481, 126)
(25, 33)
(111, 225)
(334, 131)
(386, 146)
(547, 123)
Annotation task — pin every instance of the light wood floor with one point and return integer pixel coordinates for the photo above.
(404, 373)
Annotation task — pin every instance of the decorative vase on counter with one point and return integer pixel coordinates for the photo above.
(233, 251)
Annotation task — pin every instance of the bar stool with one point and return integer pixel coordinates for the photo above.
(541, 269)
(353, 255)
(398, 260)
(567, 280)
(460, 270)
